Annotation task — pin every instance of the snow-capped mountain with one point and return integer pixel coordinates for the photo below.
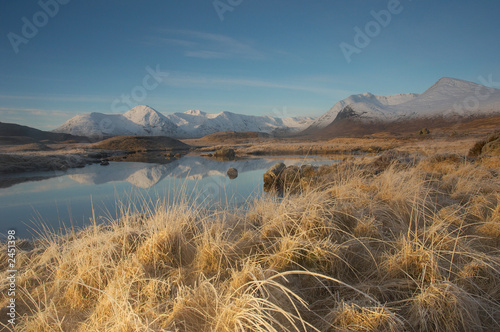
(145, 121)
(365, 104)
(447, 98)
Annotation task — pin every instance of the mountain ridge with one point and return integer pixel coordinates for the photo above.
(143, 120)
(17, 134)
(448, 99)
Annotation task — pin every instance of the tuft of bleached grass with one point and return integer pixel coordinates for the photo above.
(443, 305)
(361, 317)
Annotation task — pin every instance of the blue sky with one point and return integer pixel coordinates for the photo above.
(279, 58)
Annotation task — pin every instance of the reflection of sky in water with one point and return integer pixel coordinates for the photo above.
(66, 200)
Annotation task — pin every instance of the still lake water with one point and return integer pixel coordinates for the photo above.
(64, 199)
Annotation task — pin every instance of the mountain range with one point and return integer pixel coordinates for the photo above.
(145, 121)
(446, 102)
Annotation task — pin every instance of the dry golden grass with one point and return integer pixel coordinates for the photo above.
(401, 243)
(361, 317)
(442, 306)
(342, 146)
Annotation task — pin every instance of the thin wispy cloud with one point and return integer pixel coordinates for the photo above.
(61, 98)
(179, 42)
(204, 45)
(199, 81)
(33, 111)
(207, 54)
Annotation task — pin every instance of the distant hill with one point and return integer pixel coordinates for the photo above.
(231, 136)
(446, 103)
(11, 133)
(145, 121)
(141, 143)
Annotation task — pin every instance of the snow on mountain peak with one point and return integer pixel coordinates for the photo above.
(195, 112)
(366, 104)
(450, 81)
(452, 85)
(447, 97)
(142, 112)
(141, 109)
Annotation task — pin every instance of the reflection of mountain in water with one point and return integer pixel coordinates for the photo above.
(189, 167)
(138, 174)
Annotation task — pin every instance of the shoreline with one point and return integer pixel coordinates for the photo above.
(64, 156)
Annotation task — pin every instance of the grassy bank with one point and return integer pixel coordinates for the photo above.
(425, 145)
(393, 243)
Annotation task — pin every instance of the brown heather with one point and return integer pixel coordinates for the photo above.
(394, 243)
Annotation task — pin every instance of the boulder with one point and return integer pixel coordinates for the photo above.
(232, 173)
(271, 177)
(307, 170)
(225, 153)
(290, 178)
(424, 131)
(291, 174)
